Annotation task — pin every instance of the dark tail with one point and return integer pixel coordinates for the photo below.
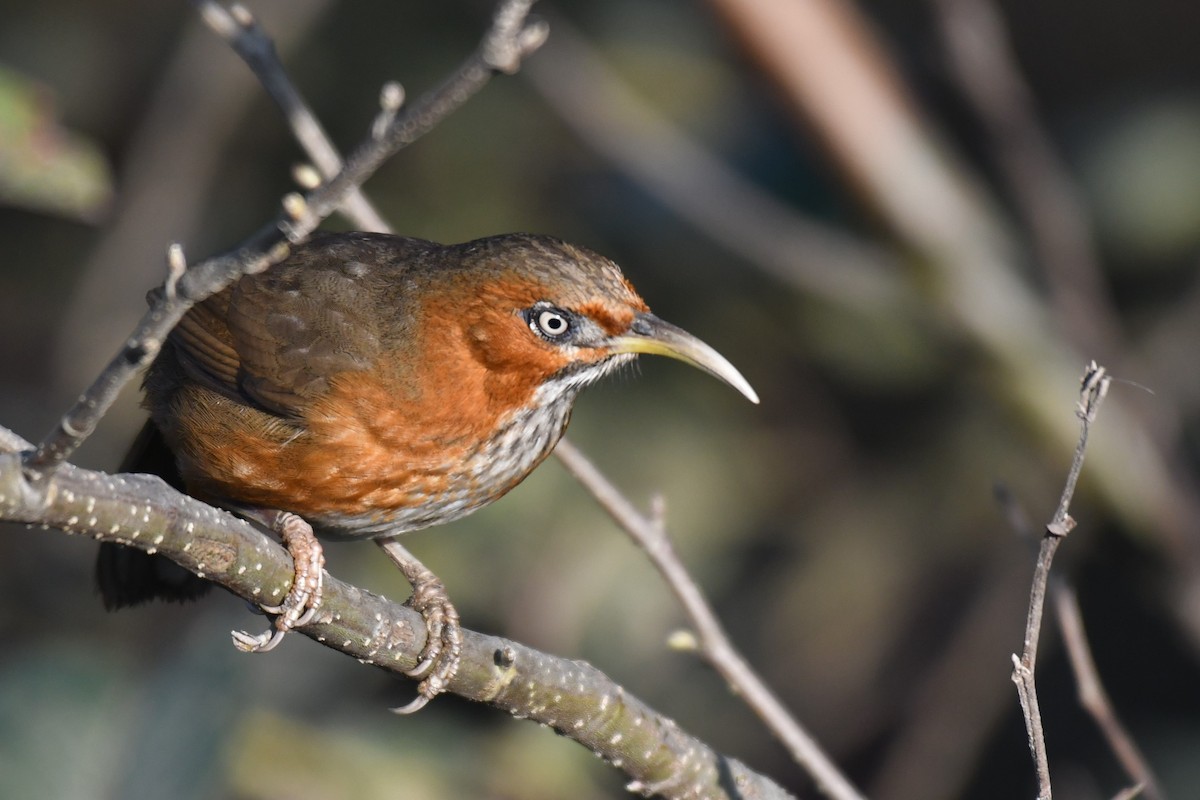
(127, 576)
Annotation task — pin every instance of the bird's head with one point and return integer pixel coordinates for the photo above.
(568, 315)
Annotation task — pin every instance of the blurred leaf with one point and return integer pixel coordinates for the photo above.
(1144, 174)
(44, 166)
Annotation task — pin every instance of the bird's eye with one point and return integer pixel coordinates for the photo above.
(550, 323)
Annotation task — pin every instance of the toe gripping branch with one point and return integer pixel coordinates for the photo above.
(304, 597)
(443, 634)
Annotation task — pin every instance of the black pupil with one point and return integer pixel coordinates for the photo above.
(552, 323)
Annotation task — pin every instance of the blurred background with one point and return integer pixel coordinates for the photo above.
(910, 224)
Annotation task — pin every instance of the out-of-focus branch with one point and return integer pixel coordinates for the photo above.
(1092, 696)
(1088, 685)
(694, 183)
(956, 703)
(834, 73)
(650, 534)
(982, 61)
(574, 698)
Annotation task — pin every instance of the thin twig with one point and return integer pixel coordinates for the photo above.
(650, 535)
(508, 41)
(1094, 698)
(1093, 389)
(242, 32)
(169, 171)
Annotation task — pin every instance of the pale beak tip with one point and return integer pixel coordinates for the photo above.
(650, 334)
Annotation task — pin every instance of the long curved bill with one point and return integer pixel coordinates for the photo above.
(649, 334)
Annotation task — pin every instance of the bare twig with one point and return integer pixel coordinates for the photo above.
(572, 697)
(1092, 392)
(239, 28)
(508, 41)
(714, 644)
(163, 191)
(1094, 698)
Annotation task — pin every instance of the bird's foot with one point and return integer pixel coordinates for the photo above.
(442, 652)
(303, 599)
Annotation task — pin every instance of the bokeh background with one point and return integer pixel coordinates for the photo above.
(909, 222)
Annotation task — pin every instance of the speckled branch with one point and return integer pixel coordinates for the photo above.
(574, 698)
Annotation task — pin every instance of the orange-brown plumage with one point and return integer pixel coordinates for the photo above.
(373, 385)
(362, 390)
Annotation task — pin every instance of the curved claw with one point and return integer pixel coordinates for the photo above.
(304, 598)
(417, 703)
(442, 652)
(249, 643)
(440, 659)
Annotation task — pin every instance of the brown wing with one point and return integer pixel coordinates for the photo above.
(277, 338)
(204, 346)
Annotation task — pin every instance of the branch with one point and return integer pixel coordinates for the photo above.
(1095, 700)
(140, 511)
(572, 697)
(1092, 392)
(983, 63)
(506, 43)
(238, 28)
(242, 32)
(692, 181)
(650, 534)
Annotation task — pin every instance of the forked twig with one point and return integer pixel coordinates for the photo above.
(510, 38)
(242, 32)
(1094, 387)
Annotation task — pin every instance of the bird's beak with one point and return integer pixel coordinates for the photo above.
(649, 334)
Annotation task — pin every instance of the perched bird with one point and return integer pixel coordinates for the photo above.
(370, 385)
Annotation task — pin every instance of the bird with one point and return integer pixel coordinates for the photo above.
(370, 385)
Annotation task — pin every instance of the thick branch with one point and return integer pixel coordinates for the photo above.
(572, 697)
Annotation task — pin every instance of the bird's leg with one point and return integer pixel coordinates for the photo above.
(304, 597)
(443, 635)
